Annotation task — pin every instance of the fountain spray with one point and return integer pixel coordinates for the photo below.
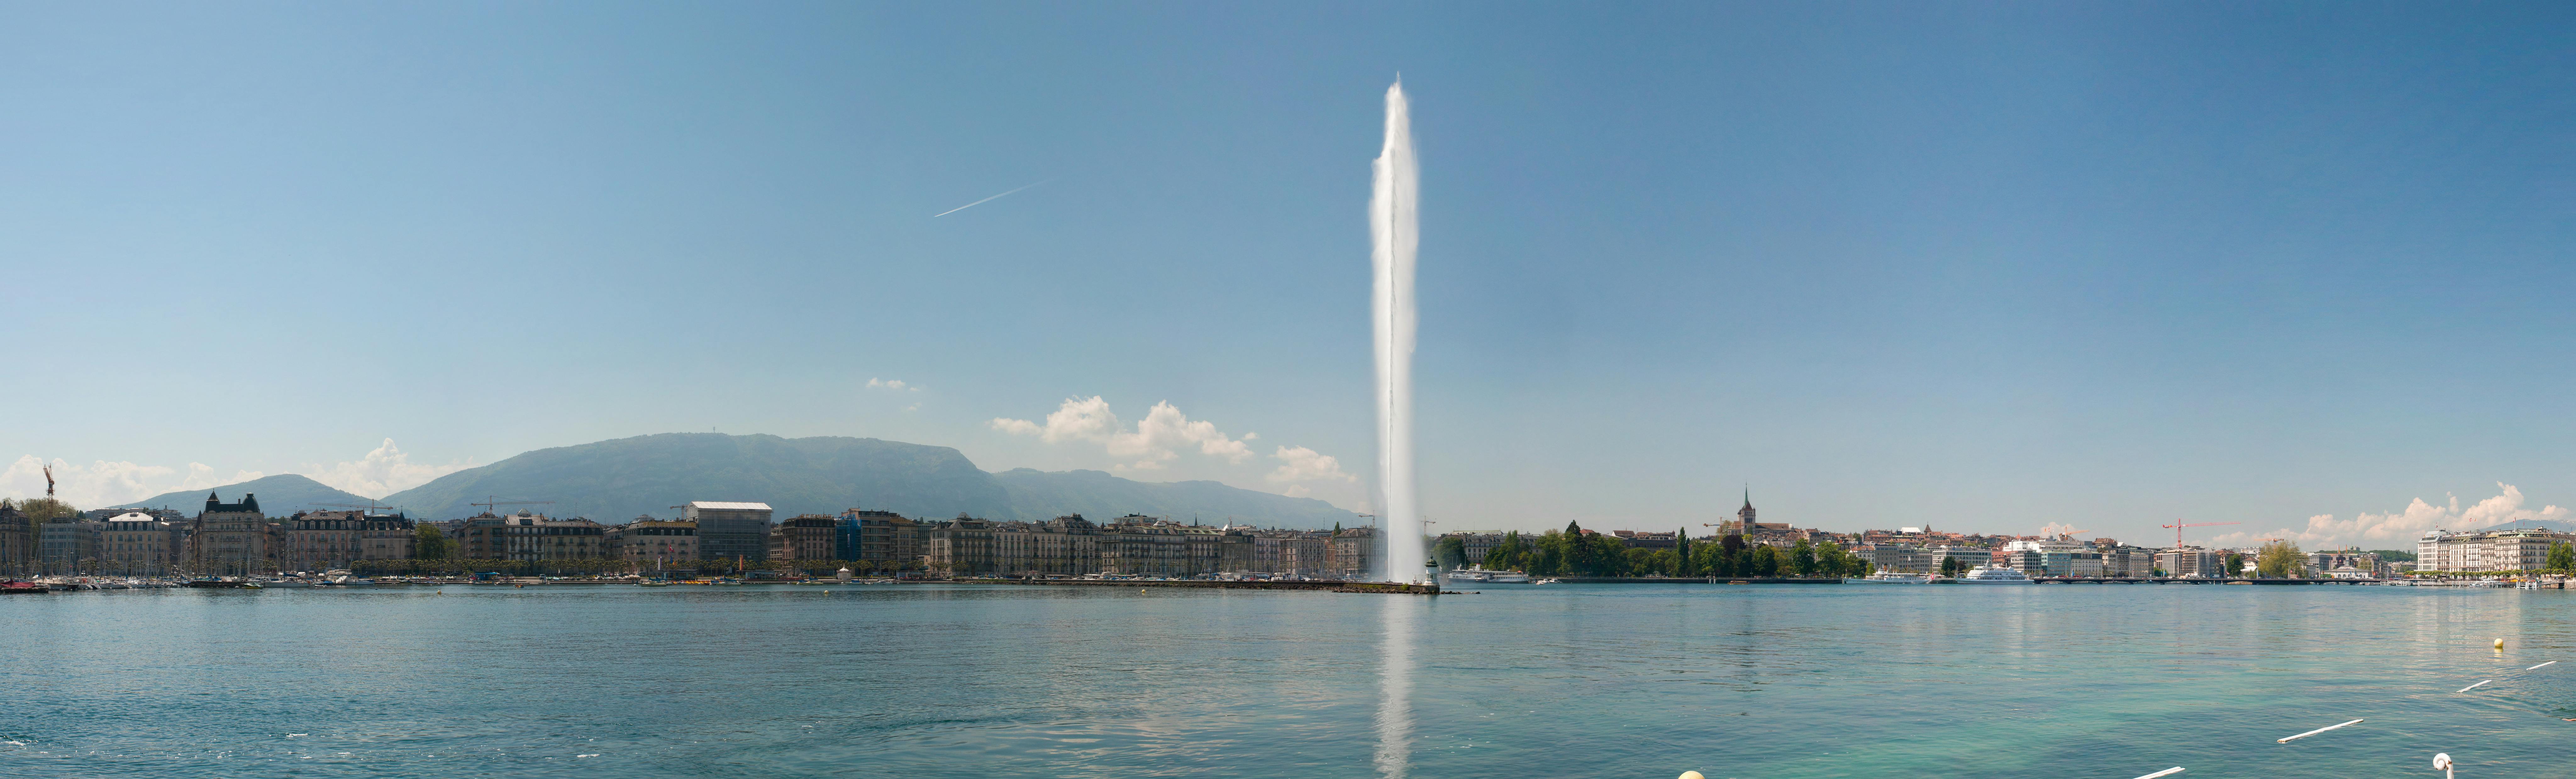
(1392, 225)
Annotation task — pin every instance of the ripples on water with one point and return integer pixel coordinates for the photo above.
(1558, 681)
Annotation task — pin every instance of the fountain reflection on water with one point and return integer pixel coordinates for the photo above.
(1395, 686)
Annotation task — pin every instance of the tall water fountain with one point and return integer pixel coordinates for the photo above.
(1391, 223)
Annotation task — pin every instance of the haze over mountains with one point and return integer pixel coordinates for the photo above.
(279, 495)
(614, 481)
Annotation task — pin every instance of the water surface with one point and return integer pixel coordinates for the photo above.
(1557, 681)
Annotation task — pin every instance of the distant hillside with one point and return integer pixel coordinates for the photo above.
(279, 495)
(613, 481)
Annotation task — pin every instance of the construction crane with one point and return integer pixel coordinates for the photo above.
(2179, 525)
(49, 482)
(2068, 535)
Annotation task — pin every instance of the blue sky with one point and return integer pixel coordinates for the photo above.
(1984, 267)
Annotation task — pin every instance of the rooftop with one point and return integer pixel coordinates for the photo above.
(728, 506)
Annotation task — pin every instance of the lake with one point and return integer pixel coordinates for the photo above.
(1550, 681)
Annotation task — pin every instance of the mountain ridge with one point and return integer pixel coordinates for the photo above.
(616, 480)
(279, 495)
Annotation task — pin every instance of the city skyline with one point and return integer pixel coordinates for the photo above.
(1984, 269)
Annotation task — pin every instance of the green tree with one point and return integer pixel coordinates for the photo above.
(1833, 560)
(1609, 555)
(1642, 561)
(1683, 565)
(2280, 560)
(1510, 555)
(1802, 558)
(2234, 567)
(2562, 557)
(38, 510)
(1765, 561)
(429, 544)
(1730, 556)
(1452, 553)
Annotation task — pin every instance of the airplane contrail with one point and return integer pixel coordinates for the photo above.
(981, 202)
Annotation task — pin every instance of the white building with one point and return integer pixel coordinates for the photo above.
(137, 544)
(2524, 549)
(2192, 563)
(1968, 557)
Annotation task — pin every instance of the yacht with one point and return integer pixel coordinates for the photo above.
(1987, 575)
(1891, 577)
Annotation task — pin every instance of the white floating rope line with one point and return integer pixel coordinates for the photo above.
(2475, 686)
(2166, 772)
(2313, 732)
(2537, 667)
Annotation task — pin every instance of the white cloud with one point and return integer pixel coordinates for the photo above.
(2399, 529)
(1152, 444)
(104, 483)
(892, 384)
(1300, 464)
(1157, 438)
(382, 472)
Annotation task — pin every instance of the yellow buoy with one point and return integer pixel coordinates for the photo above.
(1692, 775)
(2499, 643)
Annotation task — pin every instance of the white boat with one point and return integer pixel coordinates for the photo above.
(1985, 575)
(1888, 577)
(1479, 575)
(282, 582)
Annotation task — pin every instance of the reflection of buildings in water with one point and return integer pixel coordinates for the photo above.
(1395, 704)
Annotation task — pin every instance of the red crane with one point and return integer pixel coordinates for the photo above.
(2177, 528)
(49, 482)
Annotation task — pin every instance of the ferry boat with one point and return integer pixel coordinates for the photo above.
(1478, 575)
(1986, 575)
(1891, 577)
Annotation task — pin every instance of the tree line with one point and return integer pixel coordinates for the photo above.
(1572, 552)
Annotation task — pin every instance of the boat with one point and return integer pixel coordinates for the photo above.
(285, 583)
(24, 588)
(652, 583)
(1988, 575)
(1891, 577)
(1544, 581)
(1467, 576)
